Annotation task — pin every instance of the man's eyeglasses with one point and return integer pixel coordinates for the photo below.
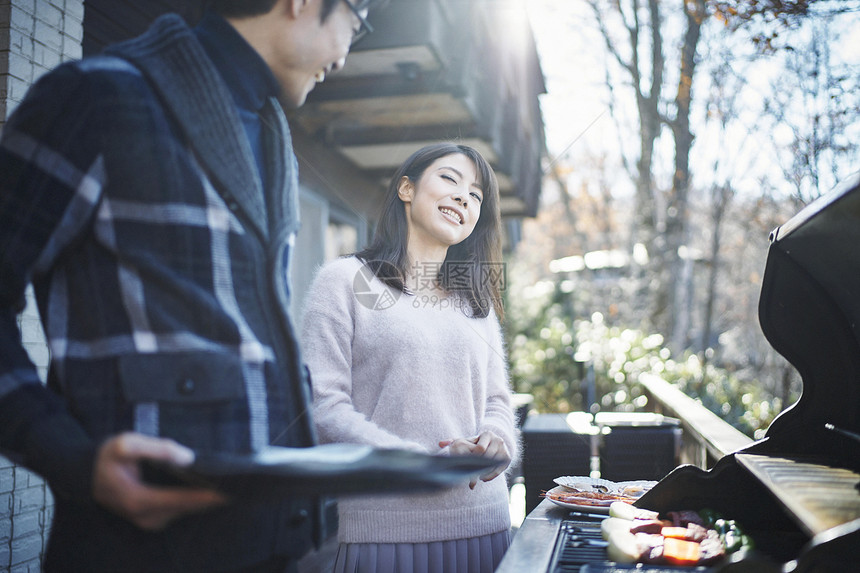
(364, 26)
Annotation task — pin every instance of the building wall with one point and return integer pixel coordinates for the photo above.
(35, 36)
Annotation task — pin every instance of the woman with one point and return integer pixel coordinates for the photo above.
(405, 351)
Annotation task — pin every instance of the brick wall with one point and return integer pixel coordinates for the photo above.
(26, 504)
(26, 507)
(35, 36)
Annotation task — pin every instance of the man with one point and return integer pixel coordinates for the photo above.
(150, 196)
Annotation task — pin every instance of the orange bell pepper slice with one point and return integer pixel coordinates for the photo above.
(681, 552)
(676, 532)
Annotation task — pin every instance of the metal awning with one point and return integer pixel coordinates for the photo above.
(432, 70)
(435, 70)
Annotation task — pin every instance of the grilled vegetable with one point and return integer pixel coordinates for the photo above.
(627, 511)
(623, 547)
(676, 532)
(709, 516)
(610, 524)
(680, 551)
(731, 535)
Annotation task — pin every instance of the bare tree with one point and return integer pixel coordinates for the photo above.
(635, 33)
(722, 111)
(638, 51)
(695, 13)
(815, 102)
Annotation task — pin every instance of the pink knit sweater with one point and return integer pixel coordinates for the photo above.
(393, 370)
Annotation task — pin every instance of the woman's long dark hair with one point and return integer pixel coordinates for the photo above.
(472, 268)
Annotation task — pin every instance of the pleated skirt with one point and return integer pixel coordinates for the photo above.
(472, 555)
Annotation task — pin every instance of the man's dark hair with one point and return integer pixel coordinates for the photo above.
(240, 8)
(246, 8)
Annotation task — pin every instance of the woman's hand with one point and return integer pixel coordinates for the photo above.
(486, 444)
(118, 487)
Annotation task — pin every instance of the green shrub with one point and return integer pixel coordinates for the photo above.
(550, 358)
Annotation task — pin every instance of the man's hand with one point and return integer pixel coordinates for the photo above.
(485, 444)
(118, 487)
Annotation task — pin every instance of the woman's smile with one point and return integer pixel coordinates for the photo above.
(452, 214)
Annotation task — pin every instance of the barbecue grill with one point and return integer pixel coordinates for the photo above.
(796, 492)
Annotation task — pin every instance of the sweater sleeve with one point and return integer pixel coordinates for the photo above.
(327, 334)
(47, 196)
(498, 412)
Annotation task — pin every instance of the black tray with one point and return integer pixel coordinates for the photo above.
(333, 469)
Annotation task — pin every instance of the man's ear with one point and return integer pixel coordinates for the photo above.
(295, 7)
(405, 189)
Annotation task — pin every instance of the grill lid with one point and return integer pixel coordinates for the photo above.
(809, 311)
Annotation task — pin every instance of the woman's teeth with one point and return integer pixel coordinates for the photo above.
(452, 215)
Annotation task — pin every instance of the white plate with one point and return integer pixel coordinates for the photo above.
(634, 488)
(603, 509)
(585, 483)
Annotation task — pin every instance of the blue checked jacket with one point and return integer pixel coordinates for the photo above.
(130, 199)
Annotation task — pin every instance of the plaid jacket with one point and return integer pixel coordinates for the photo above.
(129, 197)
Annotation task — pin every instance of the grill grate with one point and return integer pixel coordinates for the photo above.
(578, 543)
(580, 548)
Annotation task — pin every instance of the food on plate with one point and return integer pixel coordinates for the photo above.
(596, 492)
(682, 538)
(595, 498)
(634, 490)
